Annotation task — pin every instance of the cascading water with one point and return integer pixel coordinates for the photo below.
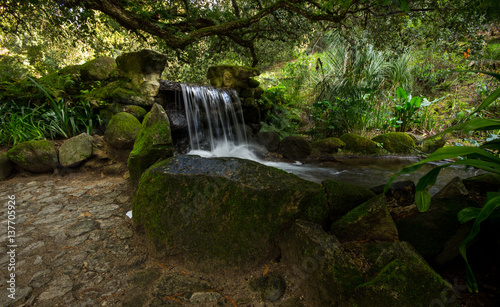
(217, 129)
(214, 117)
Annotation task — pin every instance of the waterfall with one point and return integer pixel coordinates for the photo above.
(214, 118)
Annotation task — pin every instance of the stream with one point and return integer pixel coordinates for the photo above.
(362, 171)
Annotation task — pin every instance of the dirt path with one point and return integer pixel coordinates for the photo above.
(71, 244)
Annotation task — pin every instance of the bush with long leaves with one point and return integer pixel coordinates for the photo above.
(485, 157)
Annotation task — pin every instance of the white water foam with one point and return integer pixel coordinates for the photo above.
(230, 150)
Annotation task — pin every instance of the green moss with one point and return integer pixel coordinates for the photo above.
(359, 144)
(343, 197)
(221, 216)
(403, 282)
(328, 145)
(153, 143)
(36, 156)
(396, 142)
(122, 130)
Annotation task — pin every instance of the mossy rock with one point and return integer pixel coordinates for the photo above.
(222, 209)
(369, 221)
(328, 275)
(122, 130)
(343, 197)
(98, 69)
(396, 142)
(432, 144)
(483, 183)
(237, 77)
(75, 150)
(429, 231)
(328, 145)
(6, 166)
(359, 144)
(137, 111)
(405, 281)
(153, 143)
(295, 148)
(35, 156)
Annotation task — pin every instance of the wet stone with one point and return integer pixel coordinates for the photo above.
(205, 297)
(124, 232)
(99, 235)
(57, 288)
(101, 211)
(78, 193)
(78, 240)
(38, 260)
(31, 247)
(50, 209)
(52, 199)
(72, 268)
(40, 278)
(82, 227)
(48, 219)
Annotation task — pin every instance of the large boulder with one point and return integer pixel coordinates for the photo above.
(268, 139)
(429, 231)
(122, 130)
(153, 143)
(370, 221)
(295, 148)
(75, 150)
(396, 142)
(98, 69)
(328, 145)
(5, 166)
(343, 197)
(324, 274)
(483, 183)
(222, 209)
(143, 69)
(359, 144)
(237, 77)
(397, 276)
(35, 156)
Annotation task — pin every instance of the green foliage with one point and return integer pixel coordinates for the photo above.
(21, 123)
(54, 118)
(409, 110)
(486, 157)
(281, 116)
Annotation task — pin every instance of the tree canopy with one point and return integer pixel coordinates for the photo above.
(180, 25)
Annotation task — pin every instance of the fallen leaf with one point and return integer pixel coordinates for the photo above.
(266, 270)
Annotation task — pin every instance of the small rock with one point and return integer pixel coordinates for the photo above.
(75, 150)
(124, 232)
(271, 286)
(82, 227)
(205, 297)
(454, 188)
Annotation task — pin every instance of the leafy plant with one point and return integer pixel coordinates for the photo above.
(485, 157)
(406, 110)
(66, 120)
(20, 123)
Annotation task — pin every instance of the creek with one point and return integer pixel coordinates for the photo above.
(216, 128)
